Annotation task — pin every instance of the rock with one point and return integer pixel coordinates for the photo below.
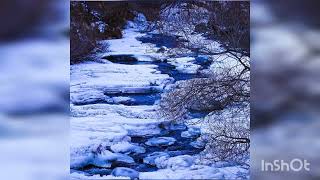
(191, 133)
(125, 172)
(151, 158)
(161, 141)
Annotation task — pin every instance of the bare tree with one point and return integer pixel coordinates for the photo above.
(215, 29)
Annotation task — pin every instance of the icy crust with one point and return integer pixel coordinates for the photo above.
(91, 82)
(94, 124)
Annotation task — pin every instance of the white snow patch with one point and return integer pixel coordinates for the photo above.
(185, 64)
(161, 141)
(76, 176)
(126, 147)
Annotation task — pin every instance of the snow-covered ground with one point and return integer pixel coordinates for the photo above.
(108, 134)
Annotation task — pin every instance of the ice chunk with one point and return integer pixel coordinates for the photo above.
(161, 141)
(198, 144)
(191, 133)
(122, 100)
(174, 127)
(125, 172)
(101, 159)
(126, 147)
(87, 96)
(150, 159)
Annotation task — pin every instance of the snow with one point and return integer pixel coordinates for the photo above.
(161, 141)
(177, 162)
(101, 133)
(125, 172)
(151, 158)
(185, 64)
(195, 172)
(105, 78)
(122, 99)
(103, 124)
(198, 144)
(130, 45)
(227, 63)
(174, 126)
(101, 159)
(126, 147)
(76, 176)
(88, 96)
(191, 133)
(140, 22)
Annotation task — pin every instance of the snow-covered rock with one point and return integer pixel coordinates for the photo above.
(161, 141)
(198, 144)
(193, 172)
(174, 163)
(174, 127)
(88, 96)
(126, 147)
(192, 132)
(125, 172)
(101, 159)
(185, 64)
(151, 158)
(78, 176)
(122, 100)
